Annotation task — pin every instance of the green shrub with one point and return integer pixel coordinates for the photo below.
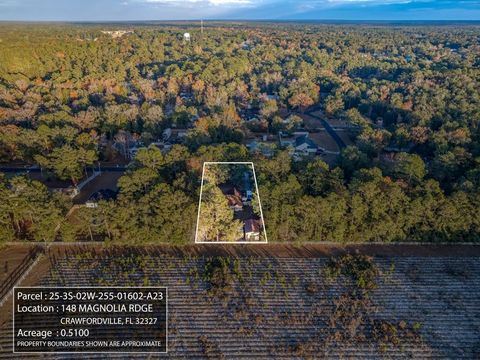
(360, 268)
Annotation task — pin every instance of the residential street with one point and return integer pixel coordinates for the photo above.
(341, 144)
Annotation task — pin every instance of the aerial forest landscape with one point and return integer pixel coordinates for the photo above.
(163, 153)
(403, 105)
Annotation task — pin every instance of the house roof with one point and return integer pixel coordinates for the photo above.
(237, 193)
(103, 194)
(304, 139)
(252, 226)
(234, 200)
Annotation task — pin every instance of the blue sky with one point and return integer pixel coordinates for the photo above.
(112, 10)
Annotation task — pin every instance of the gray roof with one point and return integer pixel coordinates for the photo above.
(304, 139)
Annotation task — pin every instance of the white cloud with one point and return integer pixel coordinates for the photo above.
(376, 2)
(328, 4)
(206, 2)
(229, 2)
(360, 1)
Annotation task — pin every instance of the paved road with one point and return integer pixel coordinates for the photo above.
(341, 144)
(7, 169)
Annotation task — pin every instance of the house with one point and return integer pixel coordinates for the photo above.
(273, 97)
(164, 147)
(103, 194)
(247, 45)
(167, 133)
(393, 147)
(235, 201)
(127, 144)
(71, 191)
(248, 114)
(287, 140)
(186, 96)
(117, 33)
(261, 146)
(132, 152)
(266, 149)
(300, 143)
(177, 136)
(305, 145)
(251, 229)
(379, 122)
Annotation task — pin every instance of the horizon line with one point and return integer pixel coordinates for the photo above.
(240, 20)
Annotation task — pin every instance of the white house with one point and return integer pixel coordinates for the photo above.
(252, 230)
(117, 33)
(304, 145)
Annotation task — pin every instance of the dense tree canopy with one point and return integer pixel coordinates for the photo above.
(411, 95)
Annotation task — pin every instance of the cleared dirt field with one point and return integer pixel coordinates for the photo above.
(11, 257)
(283, 302)
(311, 122)
(344, 136)
(324, 140)
(334, 122)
